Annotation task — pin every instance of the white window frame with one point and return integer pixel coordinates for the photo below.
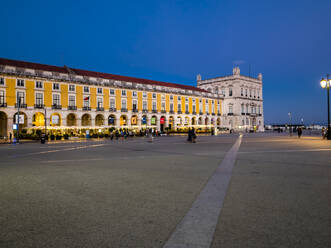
(72, 85)
(59, 95)
(74, 96)
(35, 98)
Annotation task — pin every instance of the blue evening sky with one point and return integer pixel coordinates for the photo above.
(288, 41)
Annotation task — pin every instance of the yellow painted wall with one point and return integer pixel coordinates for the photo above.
(140, 101)
(64, 95)
(158, 102)
(183, 104)
(210, 106)
(93, 97)
(190, 104)
(79, 96)
(10, 92)
(175, 103)
(29, 93)
(129, 99)
(149, 101)
(203, 105)
(167, 102)
(48, 94)
(105, 98)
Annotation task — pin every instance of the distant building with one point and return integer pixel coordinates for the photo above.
(242, 108)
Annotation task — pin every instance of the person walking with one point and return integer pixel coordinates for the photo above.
(194, 136)
(189, 138)
(299, 130)
(10, 137)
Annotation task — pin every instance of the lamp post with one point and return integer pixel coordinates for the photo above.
(326, 84)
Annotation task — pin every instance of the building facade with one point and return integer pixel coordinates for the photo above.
(76, 100)
(242, 107)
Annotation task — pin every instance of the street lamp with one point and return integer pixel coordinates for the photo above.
(326, 84)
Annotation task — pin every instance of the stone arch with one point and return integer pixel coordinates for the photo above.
(193, 121)
(123, 120)
(179, 121)
(55, 120)
(206, 121)
(86, 120)
(3, 124)
(187, 121)
(218, 121)
(144, 120)
(38, 119)
(111, 120)
(25, 117)
(171, 122)
(200, 121)
(134, 120)
(71, 120)
(153, 120)
(99, 120)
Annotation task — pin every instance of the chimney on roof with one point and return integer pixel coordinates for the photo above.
(236, 71)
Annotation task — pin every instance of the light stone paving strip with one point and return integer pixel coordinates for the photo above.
(198, 225)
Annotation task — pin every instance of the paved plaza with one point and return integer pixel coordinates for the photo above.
(261, 190)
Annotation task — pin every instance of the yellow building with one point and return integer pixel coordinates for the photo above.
(77, 100)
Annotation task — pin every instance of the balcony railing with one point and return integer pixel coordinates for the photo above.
(100, 109)
(3, 105)
(154, 111)
(179, 112)
(260, 114)
(163, 111)
(124, 110)
(112, 109)
(187, 112)
(243, 113)
(207, 113)
(86, 108)
(22, 105)
(230, 114)
(72, 107)
(200, 113)
(194, 113)
(134, 110)
(213, 114)
(145, 111)
(56, 106)
(248, 114)
(39, 106)
(218, 114)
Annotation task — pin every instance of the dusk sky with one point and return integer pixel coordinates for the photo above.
(172, 41)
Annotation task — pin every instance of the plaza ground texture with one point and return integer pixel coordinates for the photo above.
(133, 193)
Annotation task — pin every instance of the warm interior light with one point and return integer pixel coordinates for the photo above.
(323, 83)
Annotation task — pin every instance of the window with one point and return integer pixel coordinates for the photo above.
(71, 87)
(254, 93)
(179, 98)
(252, 110)
(245, 92)
(39, 84)
(86, 102)
(99, 90)
(200, 105)
(123, 103)
(86, 89)
(99, 102)
(56, 86)
(207, 107)
(242, 108)
(242, 92)
(247, 109)
(163, 97)
(193, 108)
(206, 101)
(213, 108)
(163, 106)
(123, 92)
(230, 92)
(56, 99)
(154, 105)
(154, 95)
(112, 103)
(230, 109)
(186, 107)
(2, 81)
(134, 104)
(39, 99)
(250, 92)
(171, 97)
(223, 92)
(193, 100)
(186, 99)
(134, 93)
(144, 105)
(144, 94)
(72, 101)
(112, 92)
(171, 107)
(20, 97)
(20, 82)
(259, 110)
(2, 97)
(179, 107)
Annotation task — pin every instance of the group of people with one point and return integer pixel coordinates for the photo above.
(191, 135)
